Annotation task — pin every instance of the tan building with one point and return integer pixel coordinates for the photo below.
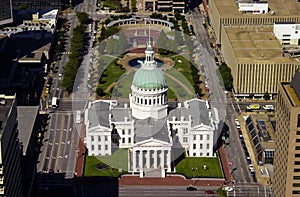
(226, 13)
(286, 181)
(256, 59)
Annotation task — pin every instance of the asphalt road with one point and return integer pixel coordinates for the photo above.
(59, 145)
(234, 150)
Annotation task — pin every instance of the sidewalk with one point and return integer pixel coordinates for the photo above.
(81, 153)
(173, 180)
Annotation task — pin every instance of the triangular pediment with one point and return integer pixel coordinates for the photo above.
(152, 142)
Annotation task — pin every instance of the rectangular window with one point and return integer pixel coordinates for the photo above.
(201, 137)
(297, 170)
(208, 137)
(298, 133)
(201, 146)
(92, 147)
(207, 154)
(185, 130)
(195, 137)
(298, 122)
(297, 140)
(296, 184)
(194, 146)
(185, 139)
(123, 140)
(123, 131)
(297, 155)
(129, 131)
(207, 146)
(106, 147)
(129, 140)
(297, 163)
(296, 192)
(99, 147)
(92, 138)
(296, 177)
(297, 147)
(99, 138)
(105, 138)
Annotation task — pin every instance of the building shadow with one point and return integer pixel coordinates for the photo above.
(55, 184)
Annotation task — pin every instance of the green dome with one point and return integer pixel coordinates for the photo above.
(149, 78)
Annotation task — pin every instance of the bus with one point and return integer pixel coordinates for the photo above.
(54, 102)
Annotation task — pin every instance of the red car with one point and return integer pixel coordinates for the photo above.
(209, 192)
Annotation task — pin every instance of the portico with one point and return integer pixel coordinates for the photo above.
(152, 153)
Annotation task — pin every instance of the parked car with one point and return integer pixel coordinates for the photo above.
(190, 188)
(268, 107)
(253, 106)
(251, 167)
(209, 192)
(229, 189)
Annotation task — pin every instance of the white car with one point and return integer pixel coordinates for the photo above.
(268, 107)
(228, 189)
(237, 122)
(251, 167)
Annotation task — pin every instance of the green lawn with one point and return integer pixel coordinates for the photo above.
(116, 161)
(213, 168)
(112, 72)
(184, 68)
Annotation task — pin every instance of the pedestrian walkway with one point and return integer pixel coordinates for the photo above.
(81, 154)
(224, 163)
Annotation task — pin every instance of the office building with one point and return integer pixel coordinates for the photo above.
(6, 15)
(286, 181)
(287, 33)
(229, 13)
(10, 167)
(38, 4)
(257, 60)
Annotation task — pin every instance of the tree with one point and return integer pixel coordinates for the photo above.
(225, 72)
(83, 17)
(99, 91)
(266, 96)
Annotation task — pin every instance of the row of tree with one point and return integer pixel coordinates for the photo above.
(77, 46)
(227, 78)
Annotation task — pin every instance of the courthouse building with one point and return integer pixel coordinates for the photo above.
(153, 136)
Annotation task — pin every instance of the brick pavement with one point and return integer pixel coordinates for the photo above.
(224, 164)
(81, 153)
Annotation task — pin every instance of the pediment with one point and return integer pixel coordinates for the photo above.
(152, 142)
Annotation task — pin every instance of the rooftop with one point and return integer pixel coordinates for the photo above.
(293, 89)
(5, 106)
(229, 8)
(26, 120)
(256, 44)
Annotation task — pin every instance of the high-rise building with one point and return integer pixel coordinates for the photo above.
(37, 4)
(6, 15)
(10, 152)
(286, 181)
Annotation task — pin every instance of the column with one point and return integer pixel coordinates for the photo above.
(155, 158)
(169, 160)
(162, 158)
(154, 9)
(148, 159)
(141, 160)
(134, 161)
